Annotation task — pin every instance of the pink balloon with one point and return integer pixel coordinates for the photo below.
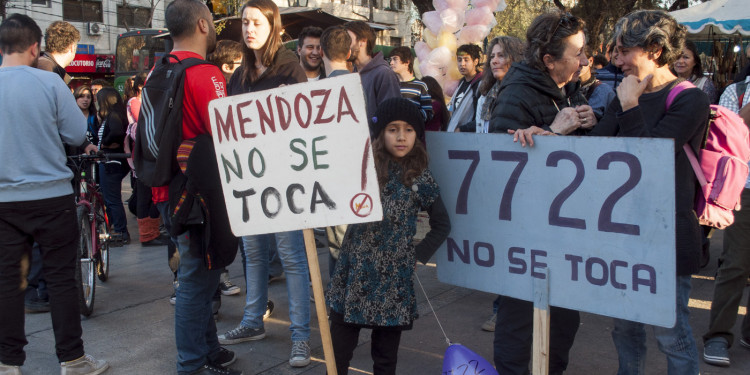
(449, 88)
(480, 16)
(452, 20)
(492, 4)
(422, 50)
(440, 56)
(458, 4)
(472, 34)
(440, 5)
(433, 21)
(428, 69)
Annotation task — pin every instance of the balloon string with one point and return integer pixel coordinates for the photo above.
(447, 341)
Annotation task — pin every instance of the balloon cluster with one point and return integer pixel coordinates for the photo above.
(450, 25)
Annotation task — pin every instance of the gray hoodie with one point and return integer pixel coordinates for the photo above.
(379, 83)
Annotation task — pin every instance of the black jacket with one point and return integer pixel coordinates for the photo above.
(284, 70)
(198, 205)
(684, 123)
(530, 97)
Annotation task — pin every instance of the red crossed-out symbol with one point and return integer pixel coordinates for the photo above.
(361, 205)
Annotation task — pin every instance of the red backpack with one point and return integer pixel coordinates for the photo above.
(723, 169)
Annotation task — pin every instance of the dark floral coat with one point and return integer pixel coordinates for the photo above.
(373, 280)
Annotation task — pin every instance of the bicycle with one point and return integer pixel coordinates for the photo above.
(93, 251)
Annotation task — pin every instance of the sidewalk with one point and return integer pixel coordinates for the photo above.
(132, 326)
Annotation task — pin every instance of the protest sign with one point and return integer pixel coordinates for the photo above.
(597, 214)
(296, 157)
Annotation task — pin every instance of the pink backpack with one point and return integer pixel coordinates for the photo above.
(723, 169)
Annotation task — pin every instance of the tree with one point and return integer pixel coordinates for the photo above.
(423, 6)
(517, 16)
(134, 9)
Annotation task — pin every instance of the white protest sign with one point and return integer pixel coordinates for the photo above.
(597, 213)
(296, 157)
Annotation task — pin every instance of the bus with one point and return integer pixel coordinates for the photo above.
(137, 52)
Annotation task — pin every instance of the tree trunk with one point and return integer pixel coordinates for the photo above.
(423, 6)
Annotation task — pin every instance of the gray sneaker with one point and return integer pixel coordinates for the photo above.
(85, 365)
(715, 352)
(489, 325)
(300, 356)
(241, 334)
(9, 369)
(745, 342)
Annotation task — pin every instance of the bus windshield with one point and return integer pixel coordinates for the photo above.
(137, 51)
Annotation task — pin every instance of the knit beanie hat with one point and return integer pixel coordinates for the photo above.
(395, 109)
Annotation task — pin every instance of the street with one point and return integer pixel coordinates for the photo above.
(132, 326)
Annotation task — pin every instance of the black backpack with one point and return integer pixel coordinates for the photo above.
(159, 131)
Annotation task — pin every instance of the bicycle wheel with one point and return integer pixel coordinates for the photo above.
(102, 232)
(85, 273)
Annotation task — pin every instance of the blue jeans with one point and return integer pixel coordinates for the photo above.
(676, 342)
(291, 250)
(110, 183)
(195, 329)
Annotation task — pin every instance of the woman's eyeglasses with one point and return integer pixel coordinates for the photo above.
(566, 18)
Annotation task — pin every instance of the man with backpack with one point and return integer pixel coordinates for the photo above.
(734, 269)
(165, 152)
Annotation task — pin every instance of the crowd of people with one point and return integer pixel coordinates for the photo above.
(549, 85)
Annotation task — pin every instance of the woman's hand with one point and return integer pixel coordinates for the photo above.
(525, 135)
(586, 115)
(630, 89)
(566, 121)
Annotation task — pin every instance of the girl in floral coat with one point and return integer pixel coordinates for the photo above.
(373, 284)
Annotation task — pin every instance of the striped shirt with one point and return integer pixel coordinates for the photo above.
(416, 91)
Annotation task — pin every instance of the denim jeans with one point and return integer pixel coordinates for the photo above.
(110, 183)
(195, 329)
(291, 250)
(37, 288)
(676, 342)
(52, 224)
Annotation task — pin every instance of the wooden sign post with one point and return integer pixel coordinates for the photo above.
(540, 346)
(294, 158)
(320, 303)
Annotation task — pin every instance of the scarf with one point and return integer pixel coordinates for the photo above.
(489, 100)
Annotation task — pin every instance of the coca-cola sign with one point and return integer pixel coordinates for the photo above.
(92, 64)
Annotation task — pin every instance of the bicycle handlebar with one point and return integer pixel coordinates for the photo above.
(100, 156)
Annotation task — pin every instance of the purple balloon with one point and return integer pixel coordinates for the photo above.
(459, 360)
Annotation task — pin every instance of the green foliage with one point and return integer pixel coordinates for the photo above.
(517, 17)
(600, 16)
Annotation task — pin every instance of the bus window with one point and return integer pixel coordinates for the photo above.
(137, 52)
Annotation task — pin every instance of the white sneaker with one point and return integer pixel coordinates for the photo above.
(85, 365)
(9, 369)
